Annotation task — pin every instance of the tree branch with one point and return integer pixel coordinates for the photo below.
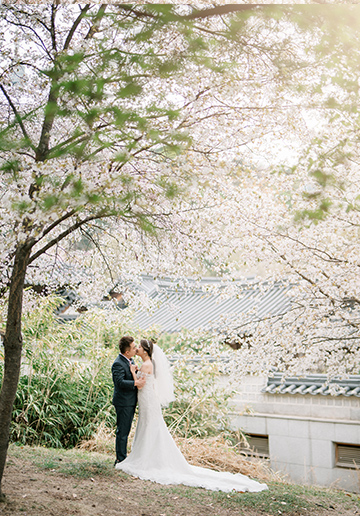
(52, 30)
(17, 117)
(95, 26)
(196, 14)
(51, 106)
(64, 234)
(98, 247)
(220, 10)
(75, 25)
(50, 113)
(56, 223)
(24, 26)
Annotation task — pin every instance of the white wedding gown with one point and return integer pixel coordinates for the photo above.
(155, 456)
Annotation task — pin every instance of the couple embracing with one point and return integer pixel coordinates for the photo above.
(154, 454)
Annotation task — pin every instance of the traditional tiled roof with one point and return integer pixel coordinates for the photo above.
(204, 304)
(313, 384)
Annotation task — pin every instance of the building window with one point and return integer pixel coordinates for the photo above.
(258, 446)
(347, 455)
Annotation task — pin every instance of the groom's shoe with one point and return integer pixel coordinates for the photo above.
(116, 462)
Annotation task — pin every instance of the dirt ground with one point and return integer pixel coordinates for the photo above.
(32, 490)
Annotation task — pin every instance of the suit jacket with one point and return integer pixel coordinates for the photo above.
(125, 392)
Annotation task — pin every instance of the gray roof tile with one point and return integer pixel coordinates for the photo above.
(194, 307)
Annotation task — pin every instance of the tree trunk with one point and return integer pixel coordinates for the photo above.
(13, 348)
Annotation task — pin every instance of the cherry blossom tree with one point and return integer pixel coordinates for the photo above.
(318, 260)
(126, 134)
(305, 231)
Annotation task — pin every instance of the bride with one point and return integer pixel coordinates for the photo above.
(154, 454)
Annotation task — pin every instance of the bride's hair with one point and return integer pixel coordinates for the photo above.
(147, 346)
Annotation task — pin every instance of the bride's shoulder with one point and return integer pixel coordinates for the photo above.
(147, 367)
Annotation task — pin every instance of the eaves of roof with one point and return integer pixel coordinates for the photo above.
(313, 384)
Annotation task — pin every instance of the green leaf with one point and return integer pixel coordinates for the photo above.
(11, 166)
(130, 90)
(50, 201)
(78, 187)
(94, 198)
(321, 177)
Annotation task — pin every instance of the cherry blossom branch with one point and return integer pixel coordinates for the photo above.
(43, 146)
(31, 29)
(320, 253)
(97, 20)
(99, 249)
(55, 224)
(53, 29)
(17, 117)
(221, 10)
(65, 233)
(75, 25)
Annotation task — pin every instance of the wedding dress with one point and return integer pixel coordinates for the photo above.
(155, 456)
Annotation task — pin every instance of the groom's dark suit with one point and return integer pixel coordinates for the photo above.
(124, 400)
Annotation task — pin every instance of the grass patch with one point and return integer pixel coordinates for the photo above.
(76, 463)
(281, 498)
(86, 470)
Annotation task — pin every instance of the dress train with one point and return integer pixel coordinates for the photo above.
(155, 456)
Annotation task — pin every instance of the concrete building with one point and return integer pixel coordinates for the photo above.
(307, 432)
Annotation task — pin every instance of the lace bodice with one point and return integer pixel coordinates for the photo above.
(148, 401)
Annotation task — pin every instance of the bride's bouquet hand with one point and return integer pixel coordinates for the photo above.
(140, 380)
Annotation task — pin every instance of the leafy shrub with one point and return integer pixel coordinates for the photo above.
(65, 387)
(59, 407)
(201, 405)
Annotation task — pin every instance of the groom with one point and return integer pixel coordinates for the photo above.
(125, 394)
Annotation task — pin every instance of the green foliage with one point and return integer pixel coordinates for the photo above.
(58, 404)
(65, 389)
(322, 178)
(11, 166)
(166, 340)
(201, 405)
(315, 215)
